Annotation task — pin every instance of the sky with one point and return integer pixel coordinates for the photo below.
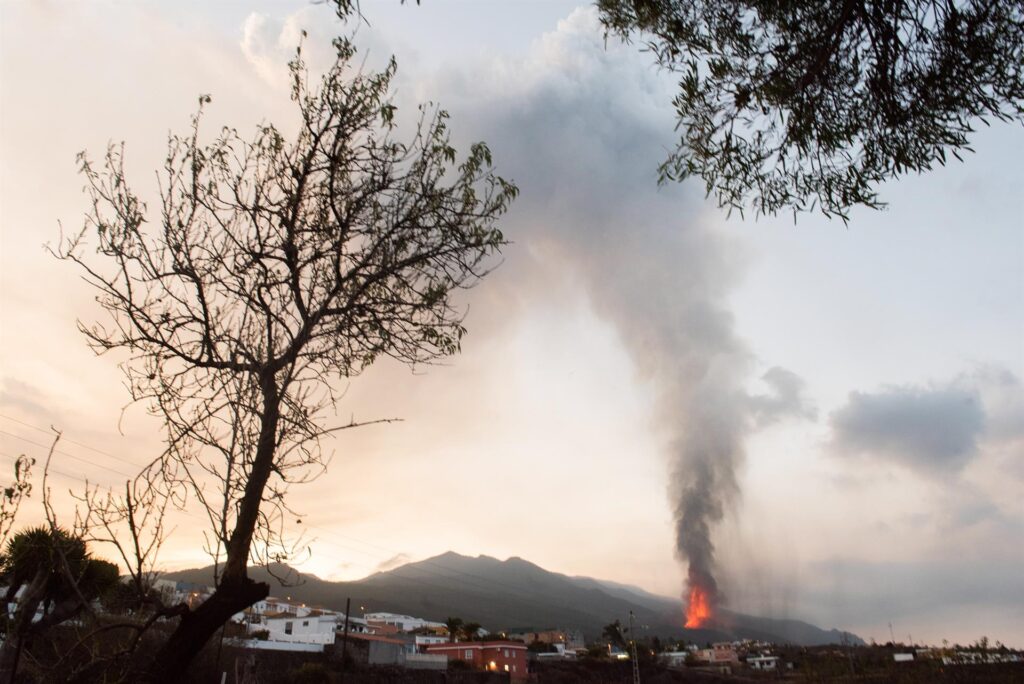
(873, 370)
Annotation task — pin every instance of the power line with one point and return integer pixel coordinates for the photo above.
(77, 478)
(50, 432)
(323, 552)
(391, 552)
(65, 453)
(197, 516)
(473, 580)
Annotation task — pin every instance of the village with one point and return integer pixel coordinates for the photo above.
(389, 639)
(394, 643)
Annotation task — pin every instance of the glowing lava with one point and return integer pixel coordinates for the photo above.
(698, 610)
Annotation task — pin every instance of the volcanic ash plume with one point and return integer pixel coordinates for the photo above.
(719, 417)
(591, 122)
(708, 447)
(664, 287)
(661, 276)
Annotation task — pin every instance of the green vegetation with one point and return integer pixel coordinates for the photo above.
(813, 105)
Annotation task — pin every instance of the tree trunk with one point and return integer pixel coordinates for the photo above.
(196, 627)
(19, 627)
(236, 591)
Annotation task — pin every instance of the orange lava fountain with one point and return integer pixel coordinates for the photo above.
(698, 610)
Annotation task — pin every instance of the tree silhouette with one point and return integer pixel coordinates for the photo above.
(471, 631)
(614, 634)
(12, 495)
(453, 625)
(49, 569)
(804, 105)
(272, 268)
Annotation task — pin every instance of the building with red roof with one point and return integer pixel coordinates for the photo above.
(496, 656)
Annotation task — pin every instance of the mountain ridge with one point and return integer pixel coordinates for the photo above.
(517, 594)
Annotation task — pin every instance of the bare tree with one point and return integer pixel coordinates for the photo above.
(12, 495)
(52, 575)
(276, 266)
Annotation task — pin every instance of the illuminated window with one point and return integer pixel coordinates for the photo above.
(506, 668)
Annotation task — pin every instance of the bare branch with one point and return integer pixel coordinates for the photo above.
(272, 269)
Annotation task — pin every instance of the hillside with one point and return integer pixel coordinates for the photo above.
(516, 594)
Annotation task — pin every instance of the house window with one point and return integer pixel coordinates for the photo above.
(506, 653)
(469, 654)
(288, 627)
(305, 623)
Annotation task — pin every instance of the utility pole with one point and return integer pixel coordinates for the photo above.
(344, 638)
(632, 656)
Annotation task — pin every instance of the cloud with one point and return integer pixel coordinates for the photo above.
(391, 563)
(1002, 395)
(269, 42)
(975, 512)
(263, 47)
(864, 591)
(26, 398)
(935, 428)
(787, 398)
(919, 427)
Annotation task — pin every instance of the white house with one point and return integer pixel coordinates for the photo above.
(309, 629)
(763, 662)
(560, 653)
(293, 646)
(406, 623)
(256, 615)
(271, 605)
(356, 625)
(315, 628)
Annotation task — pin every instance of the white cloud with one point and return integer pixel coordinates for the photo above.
(929, 429)
(934, 429)
(269, 42)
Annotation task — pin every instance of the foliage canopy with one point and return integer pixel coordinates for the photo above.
(802, 105)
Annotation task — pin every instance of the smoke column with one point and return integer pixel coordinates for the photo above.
(591, 125)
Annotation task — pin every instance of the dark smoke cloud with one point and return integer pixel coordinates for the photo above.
(581, 129)
(785, 400)
(923, 428)
(934, 429)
